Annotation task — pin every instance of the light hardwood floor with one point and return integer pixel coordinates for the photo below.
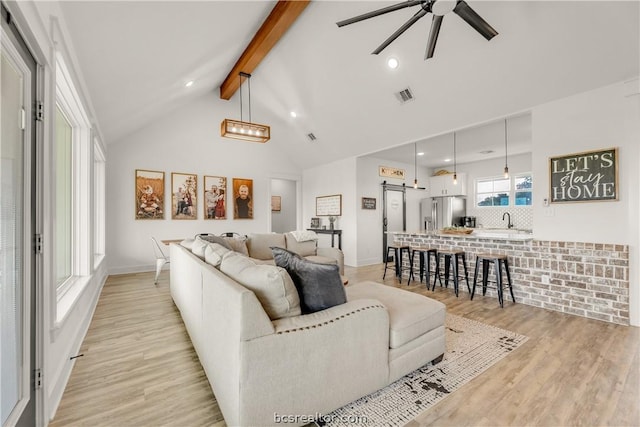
(139, 368)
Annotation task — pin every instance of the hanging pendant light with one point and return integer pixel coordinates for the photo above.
(506, 167)
(415, 165)
(455, 166)
(246, 131)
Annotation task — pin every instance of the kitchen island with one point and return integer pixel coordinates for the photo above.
(586, 279)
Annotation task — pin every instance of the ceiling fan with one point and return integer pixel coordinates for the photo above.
(439, 8)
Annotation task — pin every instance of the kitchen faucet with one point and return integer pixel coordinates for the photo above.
(509, 223)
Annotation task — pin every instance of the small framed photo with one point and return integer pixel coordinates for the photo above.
(149, 194)
(184, 199)
(315, 223)
(215, 195)
(369, 203)
(243, 198)
(276, 203)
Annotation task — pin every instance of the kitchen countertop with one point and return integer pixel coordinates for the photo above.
(480, 233)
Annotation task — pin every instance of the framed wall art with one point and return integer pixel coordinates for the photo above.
(215, 194)
(329, 205)
(184, 199)
(243, 198)
(369, 203)
(276, 203)
(149, 194)
(584, 177)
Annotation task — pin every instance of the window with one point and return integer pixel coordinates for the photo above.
(64, 207)
(493, 192)
(98, 203)
(523, 186)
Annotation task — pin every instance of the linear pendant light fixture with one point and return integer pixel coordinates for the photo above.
(506, 167)
(246, 131)
(455, 165)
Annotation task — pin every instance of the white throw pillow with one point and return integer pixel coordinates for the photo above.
(213, 254)
(272, 285)
(198, 247)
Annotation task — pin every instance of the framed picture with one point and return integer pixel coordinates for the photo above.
(243, 198)
(584, 177)
(369, 203)
(315, 223)
(329, 205)
(215, 193)
(184, 199)
(149, 194)
(276, 203)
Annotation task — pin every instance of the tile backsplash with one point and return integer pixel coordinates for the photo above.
(491, 217)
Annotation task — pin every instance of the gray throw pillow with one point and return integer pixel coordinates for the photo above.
(319, 285)
(216, 239)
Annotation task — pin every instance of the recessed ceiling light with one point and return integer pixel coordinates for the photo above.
(189, 83)
(392, 63)
(293, 114)
(447, 160)
(421, 154)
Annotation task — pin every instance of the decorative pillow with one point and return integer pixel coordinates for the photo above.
(237, 244)
(306, 248)
(198, 247)
(319, 285)
(187, 243)
(272, 285)
(216, 239)
(213, 254)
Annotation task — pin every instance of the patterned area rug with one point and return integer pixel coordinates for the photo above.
(472, 347)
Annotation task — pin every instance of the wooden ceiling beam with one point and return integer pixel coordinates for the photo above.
(283, 15)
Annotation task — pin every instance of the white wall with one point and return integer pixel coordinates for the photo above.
(187, 141)
(601, 118)
(334, 178)
(286, 219)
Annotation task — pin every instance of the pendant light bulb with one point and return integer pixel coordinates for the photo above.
(415, 165)
(506, 167)
(455, 163)
(506, 171)
(455, 179)
(415, 183)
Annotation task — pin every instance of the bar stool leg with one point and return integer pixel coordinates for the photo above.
(386, 263)
(426, 258)
(466, 273)
(498, 268)
(447, 266)
(475, 277)
(506, 267)
(485, 276)
(455, 274)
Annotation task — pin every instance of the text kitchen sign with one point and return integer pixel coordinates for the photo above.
(582, 177)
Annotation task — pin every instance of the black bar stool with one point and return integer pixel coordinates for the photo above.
(498, 261)
(397, 249)
(422, 251)
(452, 259)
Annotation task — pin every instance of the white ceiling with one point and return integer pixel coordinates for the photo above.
(136, 56)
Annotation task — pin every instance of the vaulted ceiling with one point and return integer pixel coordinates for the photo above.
(136, 56)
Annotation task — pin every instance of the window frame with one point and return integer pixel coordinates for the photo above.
(512, 190)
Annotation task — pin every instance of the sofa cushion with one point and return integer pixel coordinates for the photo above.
(211, 238)
(410, 314)
(319, 285)
(304, 249)
(259, 244)
(321, 259)
(272, 285)
(187, 243)
(238, 244)
(198, 247)
(213, 254)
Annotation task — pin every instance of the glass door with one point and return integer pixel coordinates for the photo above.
(17, 296)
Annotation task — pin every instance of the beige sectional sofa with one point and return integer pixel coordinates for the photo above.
(265, 360)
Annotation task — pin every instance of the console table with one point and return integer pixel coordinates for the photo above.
(332, 232)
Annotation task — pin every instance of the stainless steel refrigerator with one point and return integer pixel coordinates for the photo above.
(439, 212)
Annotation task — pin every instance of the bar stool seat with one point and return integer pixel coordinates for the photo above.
(398, 249)
(429, 252)
(498, 261)
(452, 259)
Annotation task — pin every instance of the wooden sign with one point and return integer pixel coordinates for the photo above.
(584, 177)
(391, 172)
(369, 203)
(329, 205)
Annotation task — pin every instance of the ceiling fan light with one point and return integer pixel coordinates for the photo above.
(442, 7)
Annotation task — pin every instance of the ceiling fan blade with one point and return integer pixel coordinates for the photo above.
(400, 30)
(433, 36)
(378, 12)
(464, 11)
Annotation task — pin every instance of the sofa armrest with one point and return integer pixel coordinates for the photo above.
(333, 253)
